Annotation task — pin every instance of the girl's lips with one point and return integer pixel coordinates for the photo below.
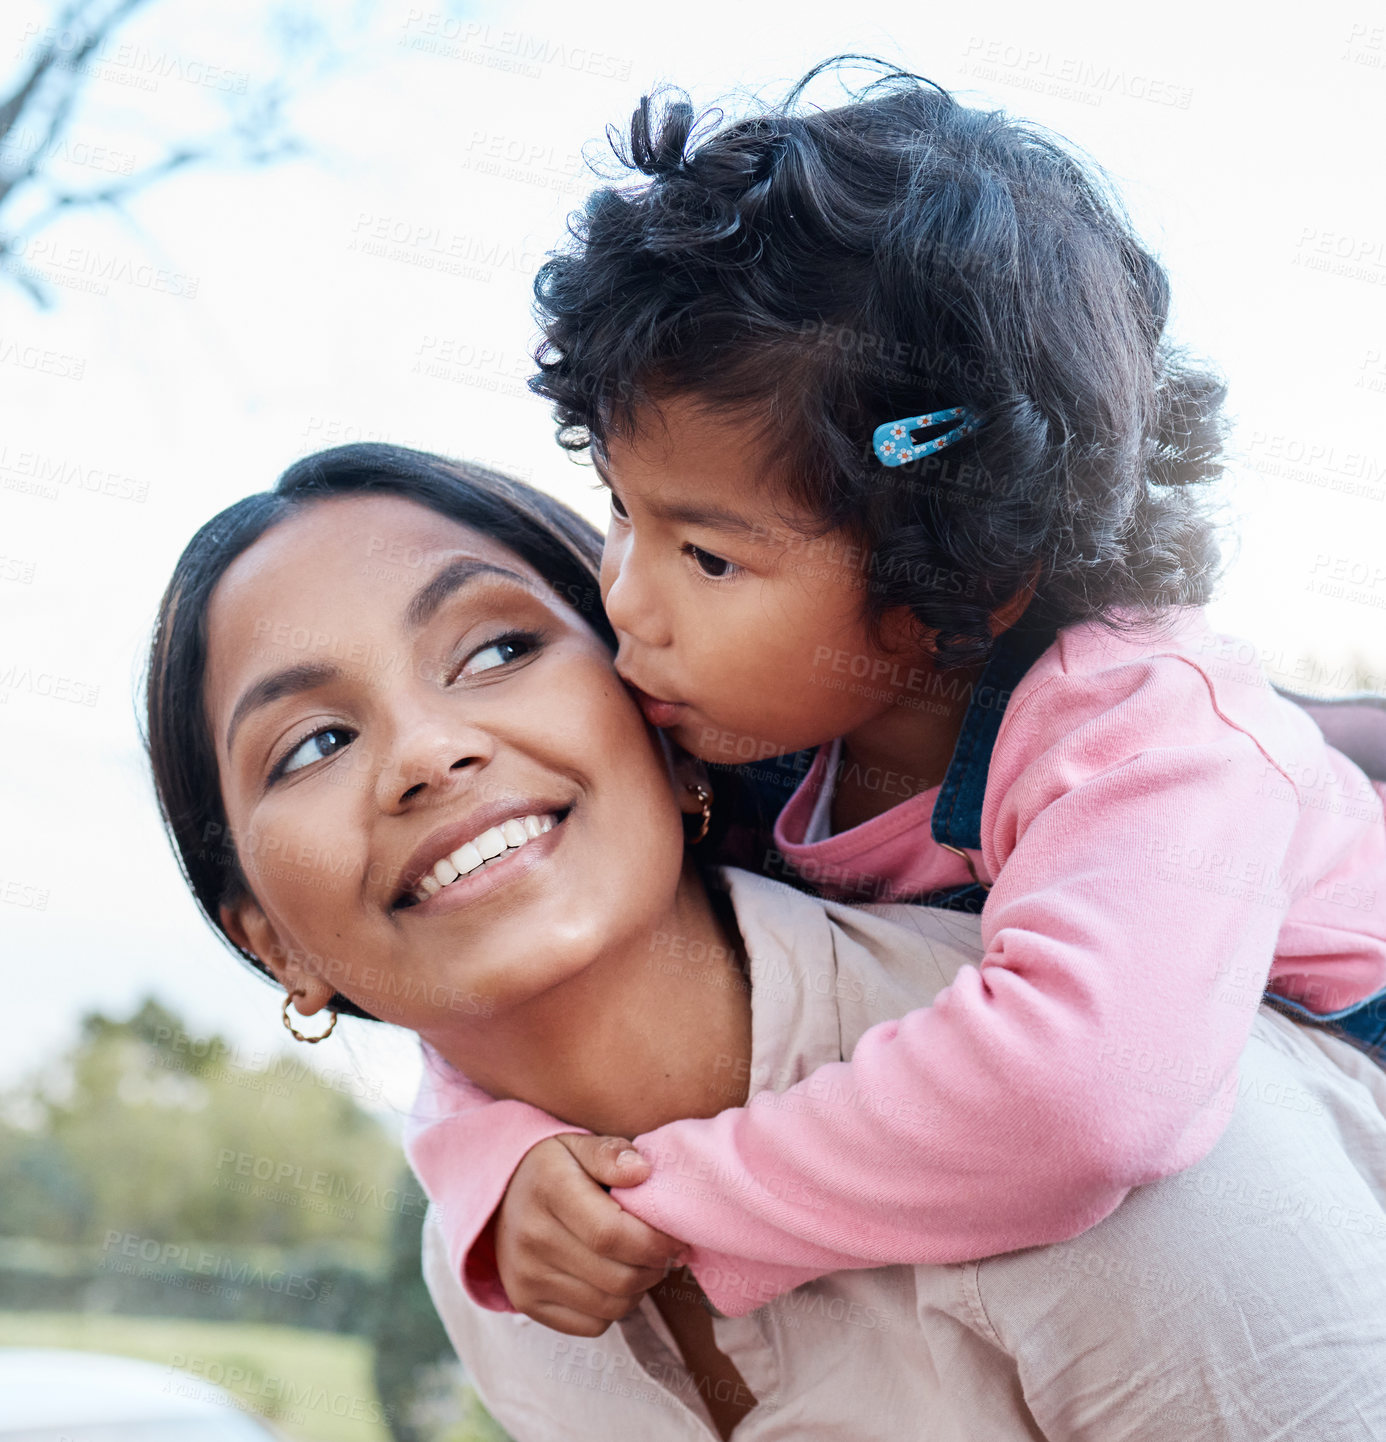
(662, 714)
(511, 866)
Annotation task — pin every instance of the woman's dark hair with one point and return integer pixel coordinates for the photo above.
(829, 270)
(560, 545)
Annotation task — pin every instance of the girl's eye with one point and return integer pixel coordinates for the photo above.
(714, 567)
(617, 508)
(313, 748)
(500, 652)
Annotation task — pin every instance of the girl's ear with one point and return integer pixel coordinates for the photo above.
(902, 635)
(1009, 612)
(251, 930)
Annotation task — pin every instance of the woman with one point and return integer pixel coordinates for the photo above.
(389, 659)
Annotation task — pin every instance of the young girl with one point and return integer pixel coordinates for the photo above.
(902, 470)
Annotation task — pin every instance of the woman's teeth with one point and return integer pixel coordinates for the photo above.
(498, 841)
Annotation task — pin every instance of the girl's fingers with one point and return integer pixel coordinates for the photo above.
(564, 1319)
(585, 1300)
(600, 1224)
(555, 1252)
(609, 1161)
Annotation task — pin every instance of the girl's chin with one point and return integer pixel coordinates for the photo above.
(720, 746)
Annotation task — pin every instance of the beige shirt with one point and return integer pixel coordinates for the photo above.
(1242, 1299)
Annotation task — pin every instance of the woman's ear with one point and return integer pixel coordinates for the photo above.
(251, 930)
(690, 777)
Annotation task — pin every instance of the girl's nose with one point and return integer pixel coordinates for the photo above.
(632, 600)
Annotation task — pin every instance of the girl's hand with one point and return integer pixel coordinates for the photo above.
(568, 1256)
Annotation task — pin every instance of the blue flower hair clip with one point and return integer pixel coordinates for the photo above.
(893, 445)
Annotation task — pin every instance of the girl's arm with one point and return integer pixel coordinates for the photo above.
(464, 1147)
(1140, 844)
(523, 1207)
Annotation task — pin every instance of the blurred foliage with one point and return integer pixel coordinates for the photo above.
(408, 1333)
(419, 1379)
(145, 1129)
(158, 1173)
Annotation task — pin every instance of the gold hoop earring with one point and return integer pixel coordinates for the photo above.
(704, 798)
(294, 1031)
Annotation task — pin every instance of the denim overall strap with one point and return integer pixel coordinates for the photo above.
(1365, 1022)
(957, 816)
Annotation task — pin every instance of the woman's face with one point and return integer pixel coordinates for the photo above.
(386, 688)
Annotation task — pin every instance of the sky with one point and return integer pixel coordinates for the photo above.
(377, 287)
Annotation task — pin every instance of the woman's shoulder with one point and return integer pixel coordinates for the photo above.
(874, 962)
(762, 903)
(1279, 1232)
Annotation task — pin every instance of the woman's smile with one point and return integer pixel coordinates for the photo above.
(486, 860)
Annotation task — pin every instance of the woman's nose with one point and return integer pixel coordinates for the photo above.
(632, 602)
(433, 754)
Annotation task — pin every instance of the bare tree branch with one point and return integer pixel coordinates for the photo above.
(42, 104)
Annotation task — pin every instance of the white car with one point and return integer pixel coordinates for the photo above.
(47, 1395)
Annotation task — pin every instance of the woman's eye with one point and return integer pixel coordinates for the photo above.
(500, 652)
(715, 567)
(314, 748)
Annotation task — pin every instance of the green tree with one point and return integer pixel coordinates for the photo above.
(146, 1128)
(417, 1375)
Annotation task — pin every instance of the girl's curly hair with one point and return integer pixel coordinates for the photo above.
(826, 270)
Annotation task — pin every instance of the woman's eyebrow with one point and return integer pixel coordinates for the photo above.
(289, 682)
(453, 576)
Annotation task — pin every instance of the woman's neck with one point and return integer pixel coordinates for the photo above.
(656, 1028)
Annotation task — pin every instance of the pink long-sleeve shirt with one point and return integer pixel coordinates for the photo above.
(1163, 836)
